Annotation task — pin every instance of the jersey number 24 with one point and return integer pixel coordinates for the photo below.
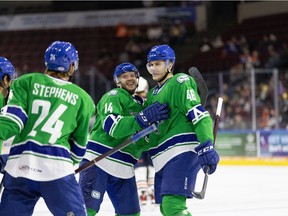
(52, 124)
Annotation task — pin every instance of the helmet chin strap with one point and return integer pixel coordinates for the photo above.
(164, 77)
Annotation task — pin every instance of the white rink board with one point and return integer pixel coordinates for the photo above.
(231, 191)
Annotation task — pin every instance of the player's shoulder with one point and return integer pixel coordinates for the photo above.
(116, 95)
(80, 91)
(181, 78)
(28, 76)
(25, 79)
(116, 92)
(113, 92)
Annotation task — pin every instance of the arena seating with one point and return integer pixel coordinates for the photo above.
(253, 29)
(27, 47)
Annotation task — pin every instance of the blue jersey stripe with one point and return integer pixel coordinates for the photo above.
(101, 149)
(76, 149)
(178, 139)
(18, 112)
(109, 122)
(197, 113)
(41, 149)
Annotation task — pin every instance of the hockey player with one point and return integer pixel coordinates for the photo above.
(144, 170)
(7, 74)
(119, 115)
(50, 118)
(176, 153)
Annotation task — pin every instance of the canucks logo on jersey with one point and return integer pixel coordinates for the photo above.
(113, 92)
(182, 78)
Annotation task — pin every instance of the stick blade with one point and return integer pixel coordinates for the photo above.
(198, 195)
(201, 85)
(201, 194)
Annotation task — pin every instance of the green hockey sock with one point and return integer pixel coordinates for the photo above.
(173, 205)
(91, 212)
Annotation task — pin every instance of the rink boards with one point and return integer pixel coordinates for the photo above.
(254, 161)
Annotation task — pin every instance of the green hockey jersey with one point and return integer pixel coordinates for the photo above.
(2, 103)
(115, 122)
(50, 118)
(188, 122)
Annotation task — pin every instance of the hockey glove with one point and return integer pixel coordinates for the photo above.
(208, 157)
(153, 113)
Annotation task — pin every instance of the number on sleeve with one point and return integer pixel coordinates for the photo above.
(108, 108)
(191, 95)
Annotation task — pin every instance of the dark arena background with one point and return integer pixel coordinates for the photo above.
(240, 48)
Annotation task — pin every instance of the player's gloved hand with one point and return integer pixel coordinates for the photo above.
(208, 157)
(153, 113)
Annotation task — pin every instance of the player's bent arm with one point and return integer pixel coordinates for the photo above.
(119, 126)
(79, 137)
(195, 112)
(204, 130)
(8, 128)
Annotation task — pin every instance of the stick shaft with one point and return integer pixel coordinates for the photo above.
(201, 194)
(130, 140)
(201, 85)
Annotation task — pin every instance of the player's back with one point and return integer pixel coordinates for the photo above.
(55, 119)
(51, 102)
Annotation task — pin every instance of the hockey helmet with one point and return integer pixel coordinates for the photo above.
(7, 68)
(59, 55)
(161, 52)
(123, 68)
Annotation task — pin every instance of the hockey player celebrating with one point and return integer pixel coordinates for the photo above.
(119, 115)
(50, 118)
(7, 74)
(174, 150)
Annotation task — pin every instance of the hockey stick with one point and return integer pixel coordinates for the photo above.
(3, 160)
(201, 194)
(134, 138)
(1, 185)
(201, 85)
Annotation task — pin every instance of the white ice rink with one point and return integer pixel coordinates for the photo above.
(231, 191)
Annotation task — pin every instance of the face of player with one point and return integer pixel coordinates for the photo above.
(128, 81)
(158, 70)
(5, 84)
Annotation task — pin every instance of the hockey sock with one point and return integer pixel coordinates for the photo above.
(173, 205)
(91, 212)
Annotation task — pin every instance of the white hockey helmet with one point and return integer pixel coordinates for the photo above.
(142, 85)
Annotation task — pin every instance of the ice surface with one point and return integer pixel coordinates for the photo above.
(231, 191)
